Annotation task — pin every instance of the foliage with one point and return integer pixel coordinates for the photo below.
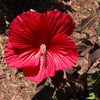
(91, 96)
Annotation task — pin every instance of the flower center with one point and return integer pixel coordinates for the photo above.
(42, 49)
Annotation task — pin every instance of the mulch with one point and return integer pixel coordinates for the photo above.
(13, 85)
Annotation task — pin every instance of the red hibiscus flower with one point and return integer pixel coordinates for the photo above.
(40, 44)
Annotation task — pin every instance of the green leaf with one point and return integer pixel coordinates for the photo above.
(80, 73)
(33, 10)
(91, 96)
(91, 83)
(98, 30)
(98, 0)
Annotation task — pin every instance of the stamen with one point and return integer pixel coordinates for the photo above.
(42, 49)
(43, 56)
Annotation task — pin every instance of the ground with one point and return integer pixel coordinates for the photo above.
(13, 85)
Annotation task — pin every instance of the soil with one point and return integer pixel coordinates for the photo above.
(13, 85)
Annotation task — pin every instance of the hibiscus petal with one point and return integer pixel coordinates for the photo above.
(37, 74)
(55, 22)
(64, 51)
(23, 31)
(20, 58)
